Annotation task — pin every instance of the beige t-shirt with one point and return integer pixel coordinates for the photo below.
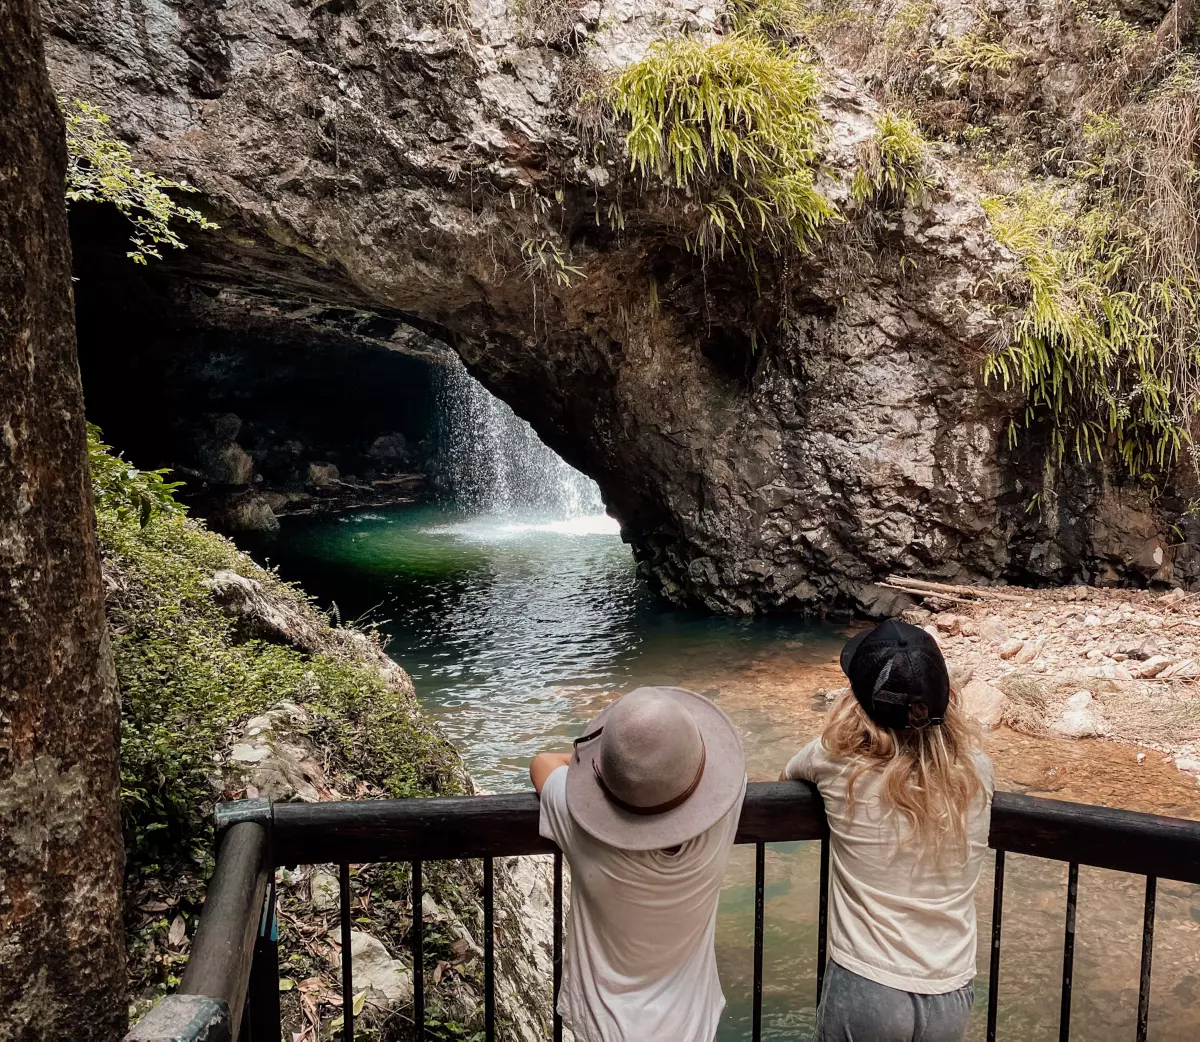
(639, 963)
(896, 916)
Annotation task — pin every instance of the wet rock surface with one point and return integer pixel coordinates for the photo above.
(387, 160)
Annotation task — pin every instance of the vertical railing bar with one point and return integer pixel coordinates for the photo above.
(261, 1021)
(558, 937)
(823, 916)
(347, 959)
(489, 954)
(1143, 1017)
(417, 943)
(1064, 1017)
(760, 873)
(994, 965)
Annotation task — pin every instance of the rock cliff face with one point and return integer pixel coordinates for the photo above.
(404, 157)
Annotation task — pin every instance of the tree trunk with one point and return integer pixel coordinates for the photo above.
(62, 963)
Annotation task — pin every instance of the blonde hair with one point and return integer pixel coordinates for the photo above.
(929, 774)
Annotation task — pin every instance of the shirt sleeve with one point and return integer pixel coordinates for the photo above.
(803, 766)
(987, 773)
(555, 822)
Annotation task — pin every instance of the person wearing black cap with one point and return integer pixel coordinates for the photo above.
(908, 793)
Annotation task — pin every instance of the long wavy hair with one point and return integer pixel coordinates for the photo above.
(929, 774)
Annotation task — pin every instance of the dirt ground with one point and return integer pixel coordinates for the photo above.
(1077, 662)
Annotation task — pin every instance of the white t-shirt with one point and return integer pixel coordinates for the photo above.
(638, 962)
(896, 916)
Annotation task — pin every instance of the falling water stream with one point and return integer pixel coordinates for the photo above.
(516, 608)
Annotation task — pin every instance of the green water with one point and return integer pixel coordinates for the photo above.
(517, 632)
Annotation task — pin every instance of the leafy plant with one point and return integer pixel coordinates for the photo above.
(795, 19)
(732, 124)
(974, 52)
(100, 168)
(1085, 351)
(543, 258)
(894, 162)
(121, 488)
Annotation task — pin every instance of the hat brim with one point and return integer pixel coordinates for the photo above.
(719, 788)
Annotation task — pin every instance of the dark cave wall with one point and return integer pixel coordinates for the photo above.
(244, 400)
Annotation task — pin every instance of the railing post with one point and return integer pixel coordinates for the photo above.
(994, 964)
(760, 873)
(262, 1020)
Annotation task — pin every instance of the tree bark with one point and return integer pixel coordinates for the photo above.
(62, 963)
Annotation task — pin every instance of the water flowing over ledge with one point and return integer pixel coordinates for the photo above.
(494, 466)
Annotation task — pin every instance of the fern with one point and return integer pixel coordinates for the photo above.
(733, 124)
(894, 163)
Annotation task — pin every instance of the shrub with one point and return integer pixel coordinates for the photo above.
(1085, 351)
(120, 488)
(894, 163)
(734, 124)
(100, 168)
(187, 677)
(975, 53)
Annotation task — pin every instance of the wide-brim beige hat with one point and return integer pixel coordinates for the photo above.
(658, 767)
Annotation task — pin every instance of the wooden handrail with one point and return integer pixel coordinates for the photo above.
(501, 826)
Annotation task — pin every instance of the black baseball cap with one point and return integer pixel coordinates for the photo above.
(898, 675)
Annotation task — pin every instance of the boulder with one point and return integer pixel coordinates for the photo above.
(227, 464)
(326, 894)
(388, 982)
(994, 629)
(248, 513)
(1080, 717)
(319, 475)
(984, 703)
(389, 448)
(1011, 648)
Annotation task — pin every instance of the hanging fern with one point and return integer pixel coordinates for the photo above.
(734, 125)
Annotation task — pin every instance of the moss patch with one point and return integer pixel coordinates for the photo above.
(187, 679)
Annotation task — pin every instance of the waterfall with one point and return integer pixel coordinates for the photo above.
(492, 462)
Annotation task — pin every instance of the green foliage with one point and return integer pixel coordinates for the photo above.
(894, 164)
(101, 169)
(733, 124)
(1085, 351)
(976, 53)
(907, 23)
(544, 259)
(121, 488)
(188, 677)
(795, 19)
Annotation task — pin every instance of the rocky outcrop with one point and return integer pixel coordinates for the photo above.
(762, 450)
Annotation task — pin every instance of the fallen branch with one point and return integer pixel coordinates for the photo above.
(926, 593)
(983, 592)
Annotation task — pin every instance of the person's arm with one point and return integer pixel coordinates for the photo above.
(545, 764)
(801, 767)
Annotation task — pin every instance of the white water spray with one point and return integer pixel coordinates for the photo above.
(493, 463)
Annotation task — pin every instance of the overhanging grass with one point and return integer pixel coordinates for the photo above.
(733, 124)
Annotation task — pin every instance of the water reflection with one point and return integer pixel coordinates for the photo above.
(517, 631)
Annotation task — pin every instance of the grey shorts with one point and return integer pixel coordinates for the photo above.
(854, 1009)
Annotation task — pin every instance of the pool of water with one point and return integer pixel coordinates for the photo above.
(517, 631)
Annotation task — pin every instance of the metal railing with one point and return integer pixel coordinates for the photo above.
(234, 963)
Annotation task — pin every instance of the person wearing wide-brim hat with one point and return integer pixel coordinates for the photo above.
(645, 808)
(908, 796)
